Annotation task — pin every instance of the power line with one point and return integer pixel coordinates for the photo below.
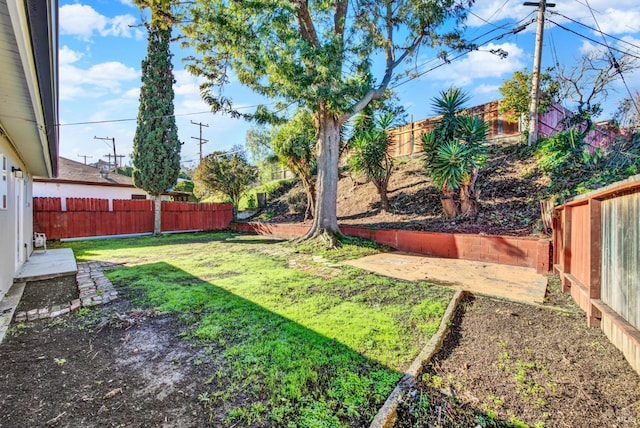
(201, 140)
(115, 156)
(593, 40)
(498, 37)
(613, 59)
(98, 122)
(594, 29)
(85, 158)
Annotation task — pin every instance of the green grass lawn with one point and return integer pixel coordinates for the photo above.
(286, 335)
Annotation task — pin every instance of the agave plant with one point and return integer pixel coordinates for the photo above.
(454, 152)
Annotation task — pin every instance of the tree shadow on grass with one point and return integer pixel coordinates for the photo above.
(263, 369)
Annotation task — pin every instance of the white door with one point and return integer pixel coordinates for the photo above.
(19, 192)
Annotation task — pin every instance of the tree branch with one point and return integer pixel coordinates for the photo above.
(307, 29)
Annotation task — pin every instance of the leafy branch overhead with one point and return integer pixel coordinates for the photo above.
(317, 55)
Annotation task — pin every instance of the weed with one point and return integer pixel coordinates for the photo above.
(17, 329)
(59, 361)
(204, 399)
(498, 401)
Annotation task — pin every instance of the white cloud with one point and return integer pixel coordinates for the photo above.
(479, 65)
(68, 56)
(99, 79)
(84, 22)
(622, 18)
(486, 89)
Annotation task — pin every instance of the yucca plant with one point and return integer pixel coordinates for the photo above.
(454, 152)
(370, 156)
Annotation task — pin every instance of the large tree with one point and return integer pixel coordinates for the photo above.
(317, 54)
(156, 148)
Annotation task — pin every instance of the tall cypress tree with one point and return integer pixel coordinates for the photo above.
(156, 148)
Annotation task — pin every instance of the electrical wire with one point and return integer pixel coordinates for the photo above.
(593, 40)
(594, 29)
(98, 122)
(613, 59)
(415, 76)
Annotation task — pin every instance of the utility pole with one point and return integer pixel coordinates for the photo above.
(201, 140)
(85, 158)
(116, 161)
(115, 156)
(109, 157)
(535, 77)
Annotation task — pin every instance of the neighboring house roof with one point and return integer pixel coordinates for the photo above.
(29, 83)
(73, 172)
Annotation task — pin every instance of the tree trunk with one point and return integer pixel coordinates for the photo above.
(325, 220)
(157, 215)
(310, 190)
(469, 205)
(449, 205)
(384, 198)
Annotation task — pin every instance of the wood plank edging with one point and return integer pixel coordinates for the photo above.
(387, 414)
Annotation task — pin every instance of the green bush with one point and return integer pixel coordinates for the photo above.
(574, 167)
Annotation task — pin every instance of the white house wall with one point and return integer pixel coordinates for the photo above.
(10, 259)
(71, 190)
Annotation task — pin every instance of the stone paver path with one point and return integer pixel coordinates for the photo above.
(94, 289)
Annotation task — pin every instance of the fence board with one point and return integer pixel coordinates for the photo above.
(579, 243)
(91, 217)
(621, 256)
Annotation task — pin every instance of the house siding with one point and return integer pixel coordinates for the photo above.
(10, 262)
(62, 190)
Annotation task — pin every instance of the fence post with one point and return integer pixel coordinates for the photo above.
(565, 257)
(595, 256)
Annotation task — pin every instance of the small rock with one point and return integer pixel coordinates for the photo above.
(112, 393)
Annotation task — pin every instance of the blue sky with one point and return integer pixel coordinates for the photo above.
(101, 48)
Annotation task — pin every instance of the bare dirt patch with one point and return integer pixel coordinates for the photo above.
(96, 369)
(505, 363)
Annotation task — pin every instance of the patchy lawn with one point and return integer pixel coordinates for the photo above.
(221, 330)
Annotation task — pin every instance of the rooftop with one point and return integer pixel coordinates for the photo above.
(71, 171)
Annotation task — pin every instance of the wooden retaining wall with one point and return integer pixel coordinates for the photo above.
(509, 250)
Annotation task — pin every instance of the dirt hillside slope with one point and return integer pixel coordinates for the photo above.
(510, 183)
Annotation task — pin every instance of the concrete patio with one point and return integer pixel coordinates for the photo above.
(489, 279)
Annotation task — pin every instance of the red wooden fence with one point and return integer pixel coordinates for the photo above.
(91, 217)
(597, 255)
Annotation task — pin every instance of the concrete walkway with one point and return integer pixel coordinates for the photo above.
(48, 264)
(490, 279)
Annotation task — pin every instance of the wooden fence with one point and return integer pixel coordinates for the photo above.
(407, 139)
(597, 255)
(86, 217)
